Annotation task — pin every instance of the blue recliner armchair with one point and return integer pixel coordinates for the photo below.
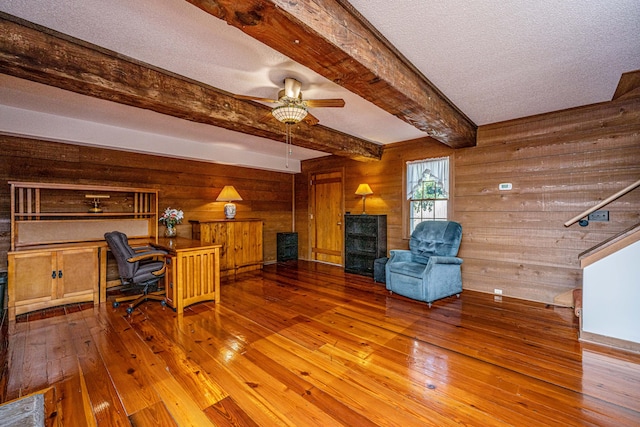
(430, 269)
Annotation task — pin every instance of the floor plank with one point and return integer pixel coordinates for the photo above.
(153, 416)
(306, 344)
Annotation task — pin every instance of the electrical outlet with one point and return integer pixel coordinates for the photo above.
(599, 216)
(497, 291)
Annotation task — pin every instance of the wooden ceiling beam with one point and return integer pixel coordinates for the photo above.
(628, 86)
(334, 40)
(41, 55)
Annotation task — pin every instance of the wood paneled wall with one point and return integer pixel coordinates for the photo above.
(384, 177)
(558, 163)
(185, 184)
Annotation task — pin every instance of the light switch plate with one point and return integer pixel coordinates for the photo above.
(599, 216)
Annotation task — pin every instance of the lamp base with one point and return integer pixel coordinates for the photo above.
(230, 210)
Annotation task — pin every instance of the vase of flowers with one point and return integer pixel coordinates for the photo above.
(170, 218)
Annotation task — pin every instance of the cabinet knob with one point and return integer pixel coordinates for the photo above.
(60, 273)
(339, 223)
(53, 274)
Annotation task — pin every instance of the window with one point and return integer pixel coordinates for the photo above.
(427, 184)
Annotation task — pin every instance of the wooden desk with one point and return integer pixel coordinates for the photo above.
(193, 272)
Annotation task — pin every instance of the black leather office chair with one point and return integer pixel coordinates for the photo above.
(140, 269)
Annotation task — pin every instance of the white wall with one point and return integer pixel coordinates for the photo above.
(611, 295)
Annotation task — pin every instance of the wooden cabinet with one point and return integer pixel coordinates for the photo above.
(193, 272)
(240, 240)
(41, 279)
(365, 240)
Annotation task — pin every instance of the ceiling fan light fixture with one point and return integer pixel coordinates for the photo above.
(289, 114)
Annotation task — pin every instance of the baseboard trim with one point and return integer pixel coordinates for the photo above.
(616, 343)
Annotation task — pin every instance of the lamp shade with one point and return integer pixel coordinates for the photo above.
(363, 190)
(289, 114)
(228, 194)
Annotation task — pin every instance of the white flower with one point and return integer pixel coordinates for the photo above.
(171, 217)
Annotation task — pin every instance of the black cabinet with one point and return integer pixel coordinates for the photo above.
(287, 246)
(365, 240)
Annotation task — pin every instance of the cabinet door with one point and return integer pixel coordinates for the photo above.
(219, 232)
(32, 277)
(246, 243)
(77, 272)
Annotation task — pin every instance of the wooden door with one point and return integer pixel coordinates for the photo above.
(326, 217)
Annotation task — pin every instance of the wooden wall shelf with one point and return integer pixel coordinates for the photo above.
(82, 215)
(34, 203)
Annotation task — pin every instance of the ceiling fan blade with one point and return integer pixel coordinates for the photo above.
(316, 103)
(254, 98)
(292, 88)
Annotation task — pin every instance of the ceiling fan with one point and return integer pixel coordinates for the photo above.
(291, 107)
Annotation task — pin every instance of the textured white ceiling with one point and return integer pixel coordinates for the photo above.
(504, 59)
(496, 60)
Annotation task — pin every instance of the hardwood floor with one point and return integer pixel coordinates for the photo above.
(304, 344)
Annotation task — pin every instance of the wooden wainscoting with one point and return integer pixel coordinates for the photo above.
(301, 344)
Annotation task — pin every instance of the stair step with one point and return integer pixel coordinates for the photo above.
(571, 298)
(565, 299)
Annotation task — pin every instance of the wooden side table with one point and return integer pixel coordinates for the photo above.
(193, 272)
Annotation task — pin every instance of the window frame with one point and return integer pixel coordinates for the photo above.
(406, 203)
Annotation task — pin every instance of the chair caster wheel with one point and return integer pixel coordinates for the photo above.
(115, 304)
(163, 303)
(129, 310)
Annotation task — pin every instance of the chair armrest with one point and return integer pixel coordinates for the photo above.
(445, 260)
(161, 271)
(147, 255)
(399, 255)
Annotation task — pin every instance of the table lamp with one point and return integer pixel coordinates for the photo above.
(229, 194)
(363, 190)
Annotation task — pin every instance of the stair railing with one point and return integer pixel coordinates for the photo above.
(603, 203)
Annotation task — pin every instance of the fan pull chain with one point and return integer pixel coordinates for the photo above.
(288, 144)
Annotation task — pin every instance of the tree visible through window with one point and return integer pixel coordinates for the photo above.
(427, 190)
